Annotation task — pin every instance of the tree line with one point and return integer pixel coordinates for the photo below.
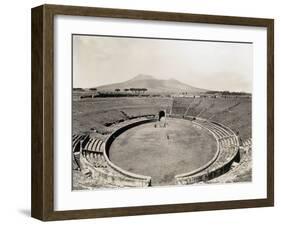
(133, 90)
(227, 93)
(126, 90)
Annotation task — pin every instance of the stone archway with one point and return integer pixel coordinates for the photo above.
(161, 114)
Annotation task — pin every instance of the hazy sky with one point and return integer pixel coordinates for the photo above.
(209, 65)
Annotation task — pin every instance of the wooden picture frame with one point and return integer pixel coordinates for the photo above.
(42, 203)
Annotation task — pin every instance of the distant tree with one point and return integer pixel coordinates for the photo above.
(126, 90)
(138, 91)
(78, 89)
(143, 90)
(117, 90)
(93, 89)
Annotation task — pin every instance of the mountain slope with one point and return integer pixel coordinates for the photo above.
(153, 85)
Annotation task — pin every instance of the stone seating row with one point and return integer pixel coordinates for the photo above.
(227, 153)
(76, 142)
(94, 144)
(247, 142)
(95, 158)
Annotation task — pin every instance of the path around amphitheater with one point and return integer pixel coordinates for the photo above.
(162, 153)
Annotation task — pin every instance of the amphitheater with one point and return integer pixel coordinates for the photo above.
(153, 141)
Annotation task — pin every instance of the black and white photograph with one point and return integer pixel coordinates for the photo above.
(160, 112)
(142, 111)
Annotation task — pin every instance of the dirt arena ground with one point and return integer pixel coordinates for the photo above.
(163, 152)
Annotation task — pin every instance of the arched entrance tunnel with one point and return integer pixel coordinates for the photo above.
(161, 114)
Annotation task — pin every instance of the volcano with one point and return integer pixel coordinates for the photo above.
(153, 85)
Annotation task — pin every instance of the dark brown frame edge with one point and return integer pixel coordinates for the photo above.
(42, 194)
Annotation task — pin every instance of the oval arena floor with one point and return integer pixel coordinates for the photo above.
(162, 153)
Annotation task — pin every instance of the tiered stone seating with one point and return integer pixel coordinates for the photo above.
(93, 152)
(238, 172)
(96, 165)
(96, 159)
(234, 112)
(192, 108)
(205, 105)
(227, 153)
(94, 144)
(237, 117)
(76, 138)
(75, 142)
(217, 105)
(247, 142)
(181, 104)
